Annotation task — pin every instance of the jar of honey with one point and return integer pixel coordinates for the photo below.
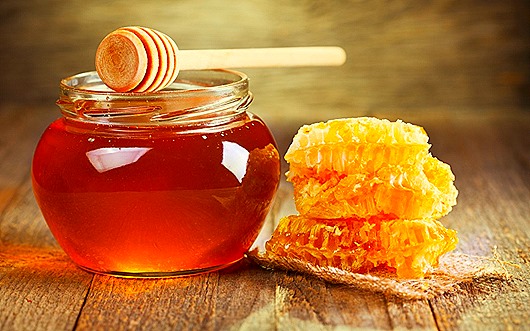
(169, 183)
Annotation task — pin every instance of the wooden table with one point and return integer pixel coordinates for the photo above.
(41, 289)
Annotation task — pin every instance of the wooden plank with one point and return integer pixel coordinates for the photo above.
(492, 217)
(15, 157)
(301, 302)
(485, 306)
(362, 309)
(245, 299)
(306, 303)
(410, 314)
(20, 218)
(237, 298)
(40, 289)
(20, 128)
(21, 222)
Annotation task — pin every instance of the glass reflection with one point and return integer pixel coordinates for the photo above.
(108, 158)
(235, 159)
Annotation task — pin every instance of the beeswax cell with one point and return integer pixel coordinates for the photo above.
(410, 247)
(361, 167)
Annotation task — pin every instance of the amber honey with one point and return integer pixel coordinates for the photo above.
(155, 199)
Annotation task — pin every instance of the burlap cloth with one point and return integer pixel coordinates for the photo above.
(454, 270)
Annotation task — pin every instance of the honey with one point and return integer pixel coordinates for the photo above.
(176, 185)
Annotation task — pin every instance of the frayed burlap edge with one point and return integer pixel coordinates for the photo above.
(454, 270)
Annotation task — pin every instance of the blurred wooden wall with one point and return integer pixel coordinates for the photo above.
(445, 55)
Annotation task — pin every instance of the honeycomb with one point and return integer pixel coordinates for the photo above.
(410, 247)
(366, 166)
(369, 194)
(363, 143)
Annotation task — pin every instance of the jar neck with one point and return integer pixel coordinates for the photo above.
(196, 99)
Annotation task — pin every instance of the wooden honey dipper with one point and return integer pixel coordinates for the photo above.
(139, 59)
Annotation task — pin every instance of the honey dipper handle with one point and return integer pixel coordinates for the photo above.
(261, 57)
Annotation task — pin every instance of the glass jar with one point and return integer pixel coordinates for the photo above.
(156, 184)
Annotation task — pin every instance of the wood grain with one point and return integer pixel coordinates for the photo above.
(460, 69)
(493, 183)
(20, 218)
(215, 301)
(40, 289)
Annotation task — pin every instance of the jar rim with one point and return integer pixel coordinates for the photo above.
(227, 79)
(196, 96)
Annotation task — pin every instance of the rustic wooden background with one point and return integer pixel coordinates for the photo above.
(461, 69)
(403, 55)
